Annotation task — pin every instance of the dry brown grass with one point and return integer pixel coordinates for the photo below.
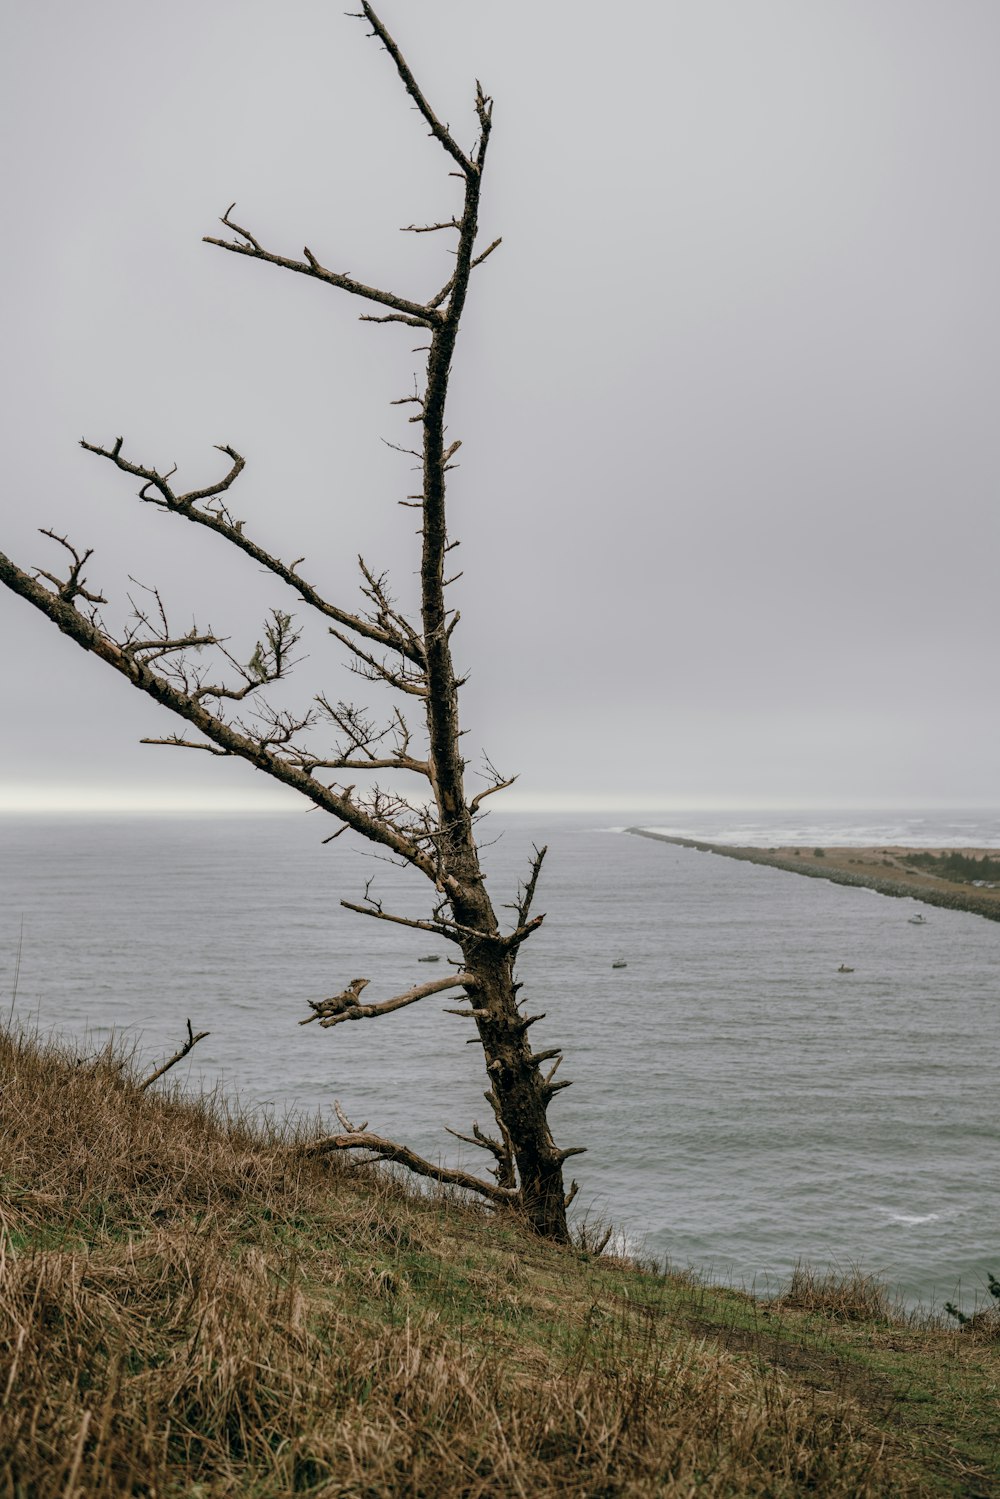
(188, 1306)
(983, 1326)
(850, 1296)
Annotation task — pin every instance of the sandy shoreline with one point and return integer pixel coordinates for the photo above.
(886, 869)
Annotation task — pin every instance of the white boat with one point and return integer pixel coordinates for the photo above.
(917, 920)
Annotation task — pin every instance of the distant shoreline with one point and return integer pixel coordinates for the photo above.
(882, 869)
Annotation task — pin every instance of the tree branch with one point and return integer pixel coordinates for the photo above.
(430, 228)
(90, 637)
(378, 671)
(346, 1007)
(439, 928)
(388, 1150)
(178, 1056)
(361, 750)
(176, 742)
(417, 767)
(482, 795)
(521, 933)
(528, 890)
(387, 617)
(220, 521)
(502, 1152)
(439, 131)
(486, 253)
(423, 317)
(72, 587)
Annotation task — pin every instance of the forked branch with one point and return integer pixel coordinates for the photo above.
(501, 1151)
(178, 1056)
(258, 751)
(245, 244)
(195, 505)
(389, 1150)
(346, 1006)
(72, 586)
(528, 889)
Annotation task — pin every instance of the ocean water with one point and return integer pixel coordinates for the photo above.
(744, 1106)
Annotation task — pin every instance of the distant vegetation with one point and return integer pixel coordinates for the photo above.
(962, 868)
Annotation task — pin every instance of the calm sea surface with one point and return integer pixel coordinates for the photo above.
(743, 1105)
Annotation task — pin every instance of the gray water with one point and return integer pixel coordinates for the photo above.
(743, 1105)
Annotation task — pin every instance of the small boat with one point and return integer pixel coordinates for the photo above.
(619, 963)
(917, 920)
(844, 969)
(431, 957)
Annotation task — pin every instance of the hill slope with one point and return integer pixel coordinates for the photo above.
(190, 1305)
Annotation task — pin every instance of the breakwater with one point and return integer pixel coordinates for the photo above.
(948, 896)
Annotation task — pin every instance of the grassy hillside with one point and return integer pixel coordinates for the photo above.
(190, 1306)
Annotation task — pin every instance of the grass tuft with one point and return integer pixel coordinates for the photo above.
(847, 1297)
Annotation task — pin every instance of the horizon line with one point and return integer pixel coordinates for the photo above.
(56, 804)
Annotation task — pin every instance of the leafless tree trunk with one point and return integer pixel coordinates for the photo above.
(431, 830)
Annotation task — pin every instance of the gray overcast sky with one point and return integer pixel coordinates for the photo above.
(727, 392)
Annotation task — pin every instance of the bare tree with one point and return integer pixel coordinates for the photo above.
(433, 828)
